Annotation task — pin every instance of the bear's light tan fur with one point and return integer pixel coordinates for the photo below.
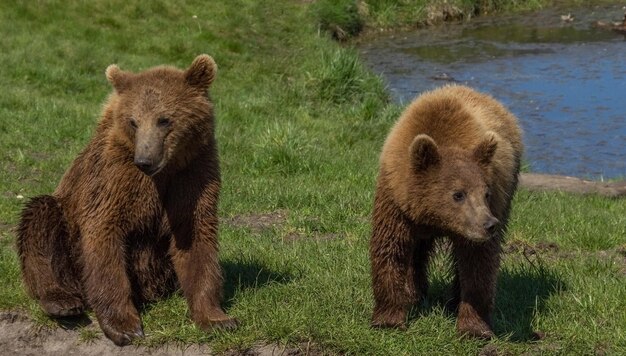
(449, 167)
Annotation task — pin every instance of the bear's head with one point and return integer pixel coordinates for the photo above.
(452, 188)
(162, 115)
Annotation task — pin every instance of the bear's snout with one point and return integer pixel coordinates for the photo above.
(146, 165)
(149, 150)
(490, 224)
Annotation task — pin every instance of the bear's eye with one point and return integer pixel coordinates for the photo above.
(133, 123)
(488, 195)
(458, 196)
(164, 122)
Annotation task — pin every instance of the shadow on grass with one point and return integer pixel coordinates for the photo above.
(239, 276)
(522, 292)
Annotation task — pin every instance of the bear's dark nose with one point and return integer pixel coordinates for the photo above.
(490, 224)
(145, 164)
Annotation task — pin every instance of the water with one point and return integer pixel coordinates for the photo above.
(566, 82)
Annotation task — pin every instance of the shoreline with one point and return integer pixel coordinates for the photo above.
(539, 182)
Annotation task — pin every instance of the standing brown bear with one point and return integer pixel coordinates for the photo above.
(449, 167)
(135, 216)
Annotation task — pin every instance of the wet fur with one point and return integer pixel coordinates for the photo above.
(474, 139)
(112, 237)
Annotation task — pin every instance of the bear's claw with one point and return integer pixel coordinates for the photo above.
(122, 332)
(228, 324)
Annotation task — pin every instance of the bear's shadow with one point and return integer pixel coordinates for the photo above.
(522, 292)
(238, 276)
(73, 322)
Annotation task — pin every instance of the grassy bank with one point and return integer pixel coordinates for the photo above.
(347, 18)
(300, 126)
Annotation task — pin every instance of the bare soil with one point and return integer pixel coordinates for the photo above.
(258, 223)
(20, 336)
(549, 182)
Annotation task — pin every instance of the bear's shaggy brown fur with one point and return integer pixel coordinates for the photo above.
(449, 167)
(135, 216)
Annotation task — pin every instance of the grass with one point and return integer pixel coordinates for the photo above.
(347, 18)
(300, 126)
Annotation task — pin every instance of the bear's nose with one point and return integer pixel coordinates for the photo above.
(145, 164)
(490, 224)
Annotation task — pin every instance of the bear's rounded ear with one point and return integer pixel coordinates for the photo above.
(424, 153)
(119, 80)
(486, 149)
(201, 72)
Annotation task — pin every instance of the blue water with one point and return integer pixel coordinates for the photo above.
(565, 82)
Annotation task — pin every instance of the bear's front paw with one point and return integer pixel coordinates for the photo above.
(61, 304)
(122, 329)
(474, 329)
(213, 319)
(469, 323)
(394, 319)
(227, 324)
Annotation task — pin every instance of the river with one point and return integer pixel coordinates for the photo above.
(565, 81)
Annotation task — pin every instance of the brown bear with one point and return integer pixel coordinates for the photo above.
(449, 167)
(135, 216)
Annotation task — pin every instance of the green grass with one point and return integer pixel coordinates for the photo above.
(300, 125)
(347, 18)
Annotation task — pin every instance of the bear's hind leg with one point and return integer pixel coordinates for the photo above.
(150, 269)
(421, 256)
(46, 271)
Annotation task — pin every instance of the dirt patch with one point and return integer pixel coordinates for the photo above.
(517, 246)
(296, 236)
(259, 222)
(267, 350)
(489, 350)
(20, 336)
(548, 182)
(552, 251)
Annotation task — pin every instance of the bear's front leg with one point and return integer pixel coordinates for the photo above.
(477, 269)
(391, 256)
(106, 283)
(194, 251)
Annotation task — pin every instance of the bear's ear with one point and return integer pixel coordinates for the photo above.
(424, 153)
(119, 80)
(486, 149)
(201, 72)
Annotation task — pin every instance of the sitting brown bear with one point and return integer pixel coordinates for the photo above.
(449, 167)
(135, 216)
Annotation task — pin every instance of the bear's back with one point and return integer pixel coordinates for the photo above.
(453, 116)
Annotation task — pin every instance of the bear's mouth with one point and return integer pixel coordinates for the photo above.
(151, 170)
(478, 237)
